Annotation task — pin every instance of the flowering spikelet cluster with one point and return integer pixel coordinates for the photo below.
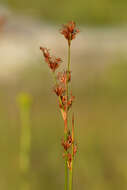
(69, 31)
(62, 90)
(53, 62)
(67, 145)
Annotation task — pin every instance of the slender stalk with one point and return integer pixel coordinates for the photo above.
(69, 56)
(70, 179)
(71, 170)
(71, 173)
(66, 175)
(66, 121)
(68, 67)
(66, 166)
(65, 134)
(67, 89)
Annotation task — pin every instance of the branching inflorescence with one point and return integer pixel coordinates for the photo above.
(65, 99)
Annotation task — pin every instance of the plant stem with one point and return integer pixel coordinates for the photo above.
(69, 56)
(66, 166)
(70, 179)
(71, 170)
(68, 67)
(66, 175)
(69, 61)
(66, 122)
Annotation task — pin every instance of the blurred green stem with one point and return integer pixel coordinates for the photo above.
(25, 139)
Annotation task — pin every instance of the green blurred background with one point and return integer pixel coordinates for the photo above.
(99, 73)
(93, 12)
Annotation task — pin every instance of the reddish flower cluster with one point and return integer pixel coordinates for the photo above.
(64, 77)
(60, 90)
(70, 157)
(75, 149)
(66, 145)
(69, 31)
(53, 62)
(69, 160)
(70, 101)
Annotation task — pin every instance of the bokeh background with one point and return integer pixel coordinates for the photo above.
(99, 64)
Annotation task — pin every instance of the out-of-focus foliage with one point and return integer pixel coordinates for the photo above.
(92, 12)
(24, 102)
(101, 130)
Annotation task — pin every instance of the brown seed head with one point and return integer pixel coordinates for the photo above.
(59, 90)
(75, 149)
(66, 145)
(70, 101)
(53, 62)
(63, 100)
(64, 76)
(69, 31)
(45, 54)
(69, 161)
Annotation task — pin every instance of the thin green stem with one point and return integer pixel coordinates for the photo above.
(69, 57)
(66, 122)
(68, 67)
(68, 71)
(66, 174)
(66, 166)
(71, 170)
(67, 91)
(70, 179)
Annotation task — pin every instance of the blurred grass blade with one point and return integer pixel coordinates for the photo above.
(24, 101)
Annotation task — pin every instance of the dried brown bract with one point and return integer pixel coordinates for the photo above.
(59, 90)
(53, 62)
(64, 77)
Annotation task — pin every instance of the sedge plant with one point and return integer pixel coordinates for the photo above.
(62, 89)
